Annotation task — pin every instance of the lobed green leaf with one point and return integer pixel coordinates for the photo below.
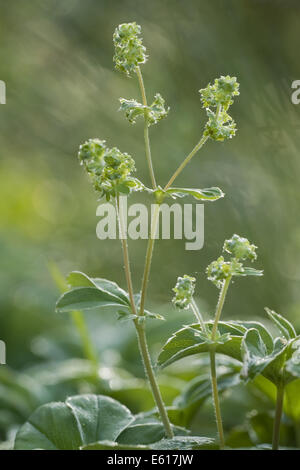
(75, 423)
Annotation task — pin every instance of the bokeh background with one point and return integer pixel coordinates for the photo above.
(56, 60)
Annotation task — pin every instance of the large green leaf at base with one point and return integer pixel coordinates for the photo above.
(69, 425)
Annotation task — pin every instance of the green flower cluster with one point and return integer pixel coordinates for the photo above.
(220, 125)
(241, 249)
(153, 113)
(129, 49)
(184, 291)
(108, 169)
(219, 270)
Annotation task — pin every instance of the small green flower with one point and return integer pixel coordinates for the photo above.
(153, 113)
(129, 49)
(221, 93)
(219, 270)
(220, 125)
(184, 291)
(240, 248)
(109, 169)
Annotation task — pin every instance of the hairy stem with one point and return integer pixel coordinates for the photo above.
(148, 259)
(146, 129)
(219, 308)
(216, 400)
(278, 415)
(123, 238)
(198, 315)
(140, 329)
(213, 372)
(186, 161)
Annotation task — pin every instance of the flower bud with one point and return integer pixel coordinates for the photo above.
(184, 291)
(218, 271)
(240, 248)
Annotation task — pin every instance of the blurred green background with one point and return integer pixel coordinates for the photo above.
(56, 60)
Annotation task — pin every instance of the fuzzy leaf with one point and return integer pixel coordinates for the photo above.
(256, 357)
(78, 279)
(187, 342)
(248, 271)
(75, 423)
(265, 335)
(207, 194)
(284, 326)
(84, 298)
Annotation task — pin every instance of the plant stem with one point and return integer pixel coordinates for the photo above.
(219, 308)
(212, 353)
(146, 128)
(186, 160)
(216, 400)
(125, 255)
(149, 252)
(278, 414)
(198, 315)
(140, 329)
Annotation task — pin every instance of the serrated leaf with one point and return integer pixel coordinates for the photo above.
(207, 194)
(79, 279)
(256, 359)
(75, 423)
(186, 342)
(284, 326)
(265, 335)
(85, 298)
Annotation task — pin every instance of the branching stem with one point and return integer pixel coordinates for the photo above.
(198, 315)
(186, 161)
(140, 329)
